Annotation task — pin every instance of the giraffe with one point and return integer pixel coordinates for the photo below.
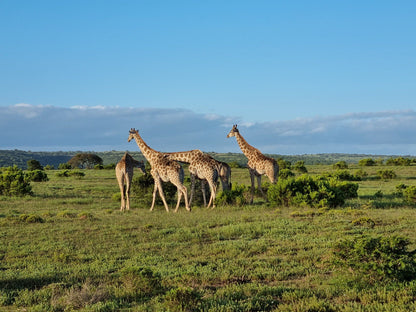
(124, 174)
(225, 175)
(163, 169)
(258, 164)
(201, 166)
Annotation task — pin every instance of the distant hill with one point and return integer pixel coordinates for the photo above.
(20, 158)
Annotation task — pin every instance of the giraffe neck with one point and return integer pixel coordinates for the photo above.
(144, 148)
(248, 150)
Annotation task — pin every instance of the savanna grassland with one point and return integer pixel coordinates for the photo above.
(68, 247)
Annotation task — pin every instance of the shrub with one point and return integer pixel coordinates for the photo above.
(300, 166)
(69, 173)
(32, 218)
(238, 195)
(345, 175)
(361, 174)
(37, 176)
(63, 166)
(410, 194)
(399, 161)
(13, 182)
(340, 165)
(285, 173)
(235, 164)
(377, 257)
(367, 162)
(110, 166)
(284, 164)
(386, 174)
(311, 191)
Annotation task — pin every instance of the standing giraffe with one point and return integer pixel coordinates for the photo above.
(124, 174)
(201, 166)
(224, 172)
(163, 169)
(258, 164)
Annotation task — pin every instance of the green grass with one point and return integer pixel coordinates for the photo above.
(70, 248)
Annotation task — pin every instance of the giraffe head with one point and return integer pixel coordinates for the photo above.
(132, 132)
(233, 132)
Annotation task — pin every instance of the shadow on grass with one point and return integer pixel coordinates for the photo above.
(29, 282)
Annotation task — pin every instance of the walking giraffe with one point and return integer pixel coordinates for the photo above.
(258, 164)
(201, 166)
(163, 169)
(124, 174)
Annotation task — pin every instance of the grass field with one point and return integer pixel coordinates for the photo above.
(69, 247)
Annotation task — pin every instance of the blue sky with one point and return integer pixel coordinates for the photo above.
(298, 77)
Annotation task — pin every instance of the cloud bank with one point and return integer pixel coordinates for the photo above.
(100, 128)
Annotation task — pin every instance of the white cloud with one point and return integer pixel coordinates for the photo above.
(32, 127)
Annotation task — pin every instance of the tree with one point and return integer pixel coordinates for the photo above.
(34, 164)
(85, 160)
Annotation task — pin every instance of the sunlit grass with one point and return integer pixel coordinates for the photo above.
(69, 247)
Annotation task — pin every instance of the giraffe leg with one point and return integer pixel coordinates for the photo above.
(182, 191)
(203, 189)
(162, 195)
(252, 184)
(123, 200)
(259, 186)
(185, 194)
(128, 183)
(192, 189)
(154, 197)
(213, 188)
(179, 199)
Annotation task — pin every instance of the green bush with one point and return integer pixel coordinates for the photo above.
(409, 193)
(300, 166)
(361, 173)
(70, 173)
(367, 162)
(340, 165)
(345, 175)
(311, 191)
(399, 161)
(63, 166)
(386, 174)
(377, 257)
(284, 164)
(13, 182)
(31, 218)
(285, 173)
(37, 176)
(238, 195)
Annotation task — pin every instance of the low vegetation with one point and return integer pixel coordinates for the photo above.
(322, 242)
